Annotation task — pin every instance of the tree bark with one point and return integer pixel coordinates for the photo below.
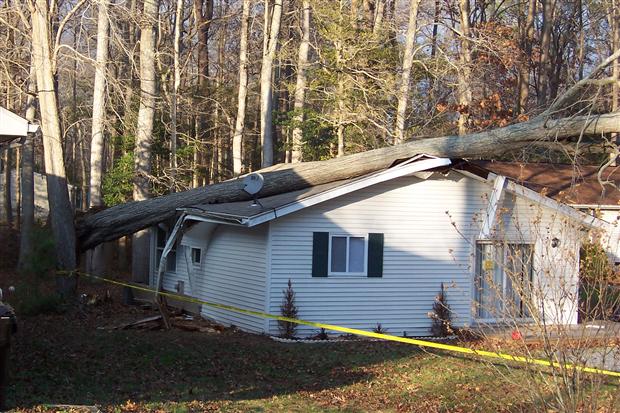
(464, 74)
(27, 181)
(178, 27)
(8, 197)
(545, 69)
(95, 258)
(403, 92)
(128, 218)
(144, 134)
(237, 141)
(271, 33)
(300, 85)
(526, 46)
(61, 210)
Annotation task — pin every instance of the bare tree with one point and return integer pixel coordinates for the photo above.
(61, 210)
(403, 92)
(178, 29)
(271, 34)
(527, 39)
(545, 52)
(27, 181)
(144, 132)
(300, 86)
(464, 92)
(237, 141)
(96, 259)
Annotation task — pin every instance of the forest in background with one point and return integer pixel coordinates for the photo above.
(141, 98)
(231, 86)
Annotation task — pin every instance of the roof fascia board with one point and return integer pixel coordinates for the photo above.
(569, 211)
(386, 175)
(491, 215)
(534, 196)
(597, 206)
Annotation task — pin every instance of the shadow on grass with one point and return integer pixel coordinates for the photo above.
(56, 361)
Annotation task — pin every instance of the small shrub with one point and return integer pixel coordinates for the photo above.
(379, 329)
(288, 309)
(441, 315)
(322, 335)
(29, 300)
(41, 261)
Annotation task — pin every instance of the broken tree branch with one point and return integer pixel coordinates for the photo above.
(128, 218)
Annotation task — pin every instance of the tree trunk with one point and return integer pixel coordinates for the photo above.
(464, 72)
(27, 181)
(237, 150)
(403, 92)
(95, 258)
(300, 85)
(524, 69)
(61, 210)
(8, 197)
(615, 89)
(128, 218)
(545, 69)
(379, 12)
(178, 27)
(144, 134)
(271, 33)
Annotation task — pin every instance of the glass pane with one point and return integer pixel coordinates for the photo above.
(356, 254)
(161, 238)
(489, 274)
(339, 254)
(518, 277)
(196, 255)
(171, 263)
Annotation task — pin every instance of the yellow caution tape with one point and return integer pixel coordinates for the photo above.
(421, 343)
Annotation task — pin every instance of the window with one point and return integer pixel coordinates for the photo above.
(347, 255)
(504, 273)
(171, 263)
(196, 253)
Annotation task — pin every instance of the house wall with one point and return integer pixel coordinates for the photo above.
(430, 227)
(555, 291)
(422, 249)
(232, 271)
(41, 206)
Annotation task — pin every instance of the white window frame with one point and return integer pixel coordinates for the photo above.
(504, 244)
(331, 273)
(159, 250)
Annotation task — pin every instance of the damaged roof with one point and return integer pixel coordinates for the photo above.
(571, 184)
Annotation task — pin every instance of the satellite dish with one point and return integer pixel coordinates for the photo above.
(253, 183)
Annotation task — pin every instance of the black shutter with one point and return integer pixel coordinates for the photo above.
(375, 255)
(320, 245)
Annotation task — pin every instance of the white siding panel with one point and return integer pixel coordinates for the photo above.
(234, 274)
(232, 271)
(422, 249)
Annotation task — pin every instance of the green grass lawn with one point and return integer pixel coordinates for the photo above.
(64, 359)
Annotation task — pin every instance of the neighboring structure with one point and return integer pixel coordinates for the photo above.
(41, 206)
(13, 126)
(376, 249)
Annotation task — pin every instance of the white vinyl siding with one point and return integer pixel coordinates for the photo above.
(231, 271)
(421, 250)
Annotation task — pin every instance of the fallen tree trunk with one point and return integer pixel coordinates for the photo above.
(128, 218)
